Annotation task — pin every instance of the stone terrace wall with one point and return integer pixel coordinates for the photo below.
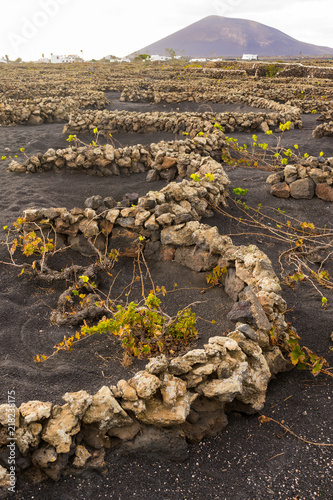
(40, 110)
(314, 176)
(192, 123)
(171, 400)
(165, 159)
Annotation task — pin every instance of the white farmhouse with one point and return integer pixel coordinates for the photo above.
(55, 59)
(3, 60)
(250, 57)
(156, 57)
(112, 58)
(199, 59)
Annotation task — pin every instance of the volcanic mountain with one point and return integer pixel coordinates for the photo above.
(224, 36)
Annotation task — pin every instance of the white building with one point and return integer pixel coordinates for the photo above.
(250, 57)
(156, 57)
(3, 60)
(111, 58)
(199, 59)
(65, 59)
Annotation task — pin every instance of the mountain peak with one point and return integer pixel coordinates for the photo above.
(231, 37)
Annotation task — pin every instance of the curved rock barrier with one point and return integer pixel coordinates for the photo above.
(176, 204)
(296, 70)
(301, 71)
(312, 105)
(111, 122)
(289, 70)
(206, 94)
(50, 109)
(231, 91)
(172, 401)
(166, 160)
(312, 177)
(326, 115)
(325, 129)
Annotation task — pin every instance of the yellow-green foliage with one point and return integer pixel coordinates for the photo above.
(143, 330)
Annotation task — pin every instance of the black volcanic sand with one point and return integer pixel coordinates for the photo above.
(247, 461)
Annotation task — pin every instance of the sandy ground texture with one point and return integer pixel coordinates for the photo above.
(248, 460)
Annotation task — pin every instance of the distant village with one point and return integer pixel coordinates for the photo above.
(68, 59)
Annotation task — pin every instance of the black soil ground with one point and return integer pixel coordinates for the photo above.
(248, 460)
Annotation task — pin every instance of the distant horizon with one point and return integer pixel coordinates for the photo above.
(63, 27)
(230, 57)
(101, 59)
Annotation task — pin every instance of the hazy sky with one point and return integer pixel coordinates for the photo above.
(30, 28)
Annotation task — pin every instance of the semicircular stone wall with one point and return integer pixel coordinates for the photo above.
(173, 400)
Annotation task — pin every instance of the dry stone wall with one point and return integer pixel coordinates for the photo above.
(22, 82)
(189, 123)
(283, 70)
(172, 401)
(312, 177)
(291, 92)
(300, 71)
(48, 80)
(229, 95)
(327, 115)
(165, 159)
(39, 110)
(177, 203)
(312, 105)
(325, 129)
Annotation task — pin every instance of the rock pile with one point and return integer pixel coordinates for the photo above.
(314, 176)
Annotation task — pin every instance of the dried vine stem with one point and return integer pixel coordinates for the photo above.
(303, 241)
(264, 420)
